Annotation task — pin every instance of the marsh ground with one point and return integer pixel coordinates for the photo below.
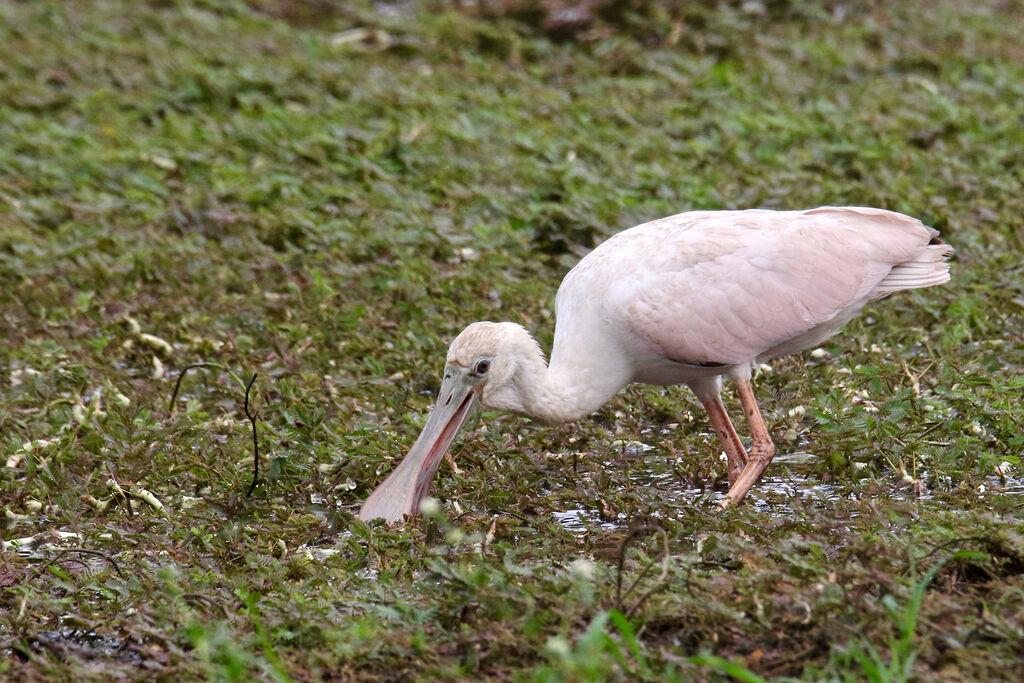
(325, 195)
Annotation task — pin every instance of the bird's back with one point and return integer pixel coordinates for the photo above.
(727, 287)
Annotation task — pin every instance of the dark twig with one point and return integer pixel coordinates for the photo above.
(181, 376)
(205, 600)
(936, 547)
(203, 364)
(640, 577)
(252, 418)
(85, 551)
(255, 441)
(665, 556)
(929, 430)
(623, 549)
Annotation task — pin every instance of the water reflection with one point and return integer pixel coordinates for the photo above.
(790, 482)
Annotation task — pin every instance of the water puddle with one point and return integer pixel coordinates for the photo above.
(789, 482)
(1005, 485)
(580, 520)
(86, 644)
(795, 458)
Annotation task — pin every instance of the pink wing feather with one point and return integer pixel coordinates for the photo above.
(729, 287)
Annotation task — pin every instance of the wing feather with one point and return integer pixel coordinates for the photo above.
(725, 287)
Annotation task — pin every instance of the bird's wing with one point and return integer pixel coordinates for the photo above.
(732, 285)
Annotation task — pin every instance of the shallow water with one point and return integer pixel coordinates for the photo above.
(88, 643)
(790, 478)
(580, 520)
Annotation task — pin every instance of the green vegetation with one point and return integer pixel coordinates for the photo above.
(324, 197)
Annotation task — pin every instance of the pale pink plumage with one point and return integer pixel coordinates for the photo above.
(688, 299)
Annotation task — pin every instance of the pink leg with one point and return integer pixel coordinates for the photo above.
(734, 450)
(762, 450)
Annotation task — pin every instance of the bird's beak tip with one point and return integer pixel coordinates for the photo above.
(400, 494)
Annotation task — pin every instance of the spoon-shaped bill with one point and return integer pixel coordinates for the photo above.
(409, 483)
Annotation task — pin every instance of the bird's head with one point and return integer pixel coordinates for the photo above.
(491, 356)
(484, 365)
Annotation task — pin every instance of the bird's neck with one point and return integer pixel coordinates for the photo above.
(577, 382)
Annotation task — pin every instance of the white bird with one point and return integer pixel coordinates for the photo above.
(686, 299)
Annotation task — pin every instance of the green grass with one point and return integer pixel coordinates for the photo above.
(267, 192)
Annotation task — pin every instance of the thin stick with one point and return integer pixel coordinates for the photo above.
(661, 579)
(640, 577)
(181, 376)
(622, 560)
(633, 535)
(203, 364)
(255, 441)
(85, 551)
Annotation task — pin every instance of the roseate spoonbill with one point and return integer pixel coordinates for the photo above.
(686, 299)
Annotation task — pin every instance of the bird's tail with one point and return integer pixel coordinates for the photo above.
(929, 268)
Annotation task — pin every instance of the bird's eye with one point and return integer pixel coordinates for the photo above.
(482, 366)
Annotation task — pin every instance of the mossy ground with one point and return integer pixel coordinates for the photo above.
(326, 196)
